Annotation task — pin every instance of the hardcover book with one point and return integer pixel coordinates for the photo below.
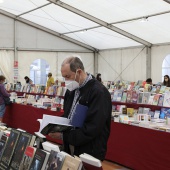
(9, 149)
(55, 160)
(71, 163)
(60, 124)
(27, 158)
(40, 160)
(3, 142)
(24, 140)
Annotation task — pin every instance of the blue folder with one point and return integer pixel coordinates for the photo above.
(79, 115)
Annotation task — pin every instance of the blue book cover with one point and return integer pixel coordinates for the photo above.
(79, 115)
(165, 112)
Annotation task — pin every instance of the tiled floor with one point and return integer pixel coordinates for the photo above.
(107, 165)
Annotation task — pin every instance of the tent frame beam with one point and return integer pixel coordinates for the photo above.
(33, 9)
(47, 30)
(100, 22)
(119, 22)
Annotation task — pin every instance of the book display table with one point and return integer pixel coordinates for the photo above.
(25, 116)
(135, 147)
(139, 148)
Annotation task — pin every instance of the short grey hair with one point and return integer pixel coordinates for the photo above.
(75, 63)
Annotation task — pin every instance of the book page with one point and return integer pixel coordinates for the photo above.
(54, 120)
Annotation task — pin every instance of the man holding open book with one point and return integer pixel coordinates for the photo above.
(93, 99)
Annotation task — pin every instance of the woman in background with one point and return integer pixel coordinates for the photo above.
(28, 80)
(166, 81)
(98, 77)
(3, 93)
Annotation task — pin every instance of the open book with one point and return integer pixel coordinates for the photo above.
(60, 124)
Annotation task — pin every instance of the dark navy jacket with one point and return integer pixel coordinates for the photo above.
(93, 136)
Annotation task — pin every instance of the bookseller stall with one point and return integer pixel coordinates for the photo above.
(131, 146)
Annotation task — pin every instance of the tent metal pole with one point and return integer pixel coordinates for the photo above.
(148, 62)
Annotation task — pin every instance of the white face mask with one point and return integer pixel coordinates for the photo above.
(72, 84)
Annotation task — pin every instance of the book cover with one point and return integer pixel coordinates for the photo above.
(146, 110)
(134, 97)
(150, 101)
(161, 100)
(151, 113)
(24, 140)
(157, 114)
(156, 99)
(130, 112)
(162, 89)
(71, 163)
(27, 158)
(60, 124)
(55, 160)
(158, 87)
(166, 102)
(165, 113)
(129, 97)
(124, 96)
(140, 110)
(145, 97)
(9, 149)
(40, 158)
(140, 98)
(3, 142)
(167, 89)
(79, 115)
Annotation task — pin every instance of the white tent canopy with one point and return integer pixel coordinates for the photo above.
(101, 24)
(121, 39)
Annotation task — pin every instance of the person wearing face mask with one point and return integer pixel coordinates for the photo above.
(166, 81)
(3, 93)
(92, 137)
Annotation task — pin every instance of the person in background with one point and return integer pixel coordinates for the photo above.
(92, 137)
(3, 93)
(98, 77)
(166, 81)
(149, 81)
(28, 80)
(50, 81)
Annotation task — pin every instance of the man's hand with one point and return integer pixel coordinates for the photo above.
(56, 135)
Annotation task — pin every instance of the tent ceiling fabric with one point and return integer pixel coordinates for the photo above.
(56, 18)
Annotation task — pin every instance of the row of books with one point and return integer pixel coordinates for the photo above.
(139, 85)
(142, 98)
(18, 152)
(37, 89)
(130, 112)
